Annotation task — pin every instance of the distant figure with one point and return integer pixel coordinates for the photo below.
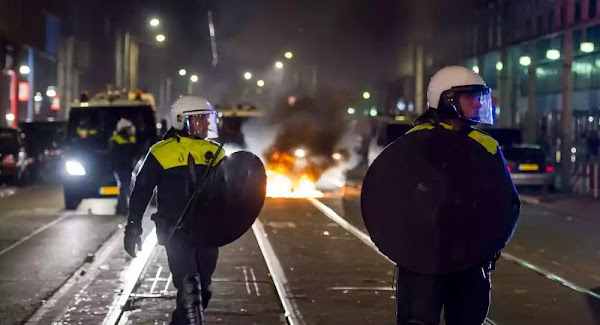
(123, 158)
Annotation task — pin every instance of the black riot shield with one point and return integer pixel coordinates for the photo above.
(229, 205)
(436, 201)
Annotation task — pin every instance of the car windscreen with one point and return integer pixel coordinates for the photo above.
(9, 143)
(529, 155)
(93, 126)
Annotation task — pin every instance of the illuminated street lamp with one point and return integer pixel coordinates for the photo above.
(10, 117)
(161, 38)
(247, 75)
(24, 69)
(373, 112)
(194, 78)
(525, 61)
(586, 47)
(288, 55)
(278, 65)
(366, 95)
(553, 54)
(260, 83)
(351, 110)
(182, 72)
(154, 22)
(499, 66)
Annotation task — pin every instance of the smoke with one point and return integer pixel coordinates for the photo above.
(315, 124)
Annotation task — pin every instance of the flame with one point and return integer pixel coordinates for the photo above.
(284, 182)
(282, 186)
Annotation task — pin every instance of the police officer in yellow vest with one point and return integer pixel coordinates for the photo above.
(171, 166)
(123, 158)
(458, 98)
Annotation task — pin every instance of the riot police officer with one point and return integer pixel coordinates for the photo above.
(174, 167)
(460, 205)
(123, 158)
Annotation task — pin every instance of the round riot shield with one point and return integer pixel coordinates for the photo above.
(436, 201)
(229, 205)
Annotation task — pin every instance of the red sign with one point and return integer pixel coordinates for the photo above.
(23, 91)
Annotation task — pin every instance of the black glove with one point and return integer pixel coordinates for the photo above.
(133, 239)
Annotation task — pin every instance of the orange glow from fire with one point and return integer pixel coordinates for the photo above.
(284, 182)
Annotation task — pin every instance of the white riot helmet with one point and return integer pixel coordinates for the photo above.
(449, 84)
(124, 124)
(195, 115)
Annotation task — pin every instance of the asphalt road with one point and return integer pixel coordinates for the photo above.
(332, 276)
(41, 245)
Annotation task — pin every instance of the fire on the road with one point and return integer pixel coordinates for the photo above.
(284, 182)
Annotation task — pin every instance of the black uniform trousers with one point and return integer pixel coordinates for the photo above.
(464, 296)
(185, 259)
(123, 178)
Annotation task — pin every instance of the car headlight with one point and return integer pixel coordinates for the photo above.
(74, 168)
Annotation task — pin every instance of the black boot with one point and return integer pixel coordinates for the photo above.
(192, 301)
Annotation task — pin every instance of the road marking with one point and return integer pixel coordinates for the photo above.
(292, 312)
(363, 288)
(346, 225)
(167, 284)
(156, 279)
(37, 231)
(352, 229)
(246, 280)
(132, 275)
(549, 275)
(254, 280)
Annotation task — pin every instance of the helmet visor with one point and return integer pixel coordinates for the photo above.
(202, 125)
(476, 104)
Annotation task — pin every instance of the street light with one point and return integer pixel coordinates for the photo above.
(160, 38)
(260, 83)
(50, 92)
(24, 69)
(586, 47)
(182, 72)
(278, 65)
(194, 78)
(475, 69)
(553, 54)
(499, 66)
(373, 112)
(351, 110)
(525, 61)
(288, 55)
(247, 75)
(10, 117)
(154, 22)
(366, 95)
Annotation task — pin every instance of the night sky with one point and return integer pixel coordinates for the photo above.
(353, 44)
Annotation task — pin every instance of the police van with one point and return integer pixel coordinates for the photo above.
(85, 163)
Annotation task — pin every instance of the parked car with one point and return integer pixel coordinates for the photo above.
(528, 165)
(43, 141)
(13, 157)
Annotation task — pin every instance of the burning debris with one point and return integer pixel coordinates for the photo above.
(305, 144)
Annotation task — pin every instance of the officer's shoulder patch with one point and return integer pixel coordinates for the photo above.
(484, 139)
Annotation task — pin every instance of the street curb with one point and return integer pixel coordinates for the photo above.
(530, 199)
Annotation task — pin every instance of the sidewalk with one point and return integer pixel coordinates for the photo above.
(581, 206)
